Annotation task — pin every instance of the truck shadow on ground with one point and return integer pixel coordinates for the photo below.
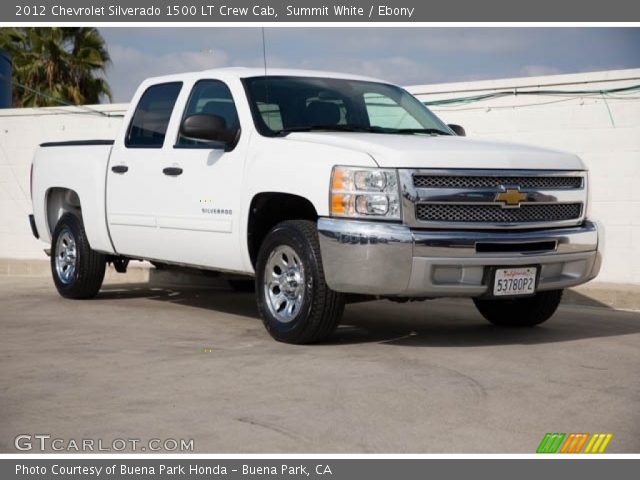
(435, 323)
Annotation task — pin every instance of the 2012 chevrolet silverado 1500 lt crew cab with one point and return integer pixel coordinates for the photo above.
(323, 187)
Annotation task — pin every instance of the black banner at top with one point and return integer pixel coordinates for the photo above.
(188, 11)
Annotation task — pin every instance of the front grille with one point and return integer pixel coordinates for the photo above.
(457, 181)
(526, 213)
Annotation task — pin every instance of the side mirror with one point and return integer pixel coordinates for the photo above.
(208, 128)
(458, 130)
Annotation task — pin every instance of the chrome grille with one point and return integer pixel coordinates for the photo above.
(526, 213)
(483, 198)
(459, 181)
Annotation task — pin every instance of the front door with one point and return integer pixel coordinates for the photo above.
(199, 221)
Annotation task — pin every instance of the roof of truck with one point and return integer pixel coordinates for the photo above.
(244, 72)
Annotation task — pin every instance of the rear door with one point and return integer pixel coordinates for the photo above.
(135, 195)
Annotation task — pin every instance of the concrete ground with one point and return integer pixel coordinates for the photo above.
(143, 362)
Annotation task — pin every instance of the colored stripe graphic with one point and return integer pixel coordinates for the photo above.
(598, 443)
(573, 442)
(550, 442)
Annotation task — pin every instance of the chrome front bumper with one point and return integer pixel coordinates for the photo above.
(380, 258)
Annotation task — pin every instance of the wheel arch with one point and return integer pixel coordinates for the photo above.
(58, 201)
(267, 209)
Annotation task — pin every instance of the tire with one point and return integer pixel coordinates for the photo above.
(77, 270)
(297, 306)
(520, 312)
(242, 285)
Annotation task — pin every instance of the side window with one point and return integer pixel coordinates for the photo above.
(386, 113)
(211, 97)
(151, 118)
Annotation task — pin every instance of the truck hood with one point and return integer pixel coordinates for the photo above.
(421, 151)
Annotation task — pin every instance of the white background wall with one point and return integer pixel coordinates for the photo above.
(605, 134)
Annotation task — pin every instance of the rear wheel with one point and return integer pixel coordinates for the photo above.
(77, 270)
(295, 302)
(520, 312)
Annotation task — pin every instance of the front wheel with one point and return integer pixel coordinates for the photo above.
(296, 304)
(77, 270)
(520, 312)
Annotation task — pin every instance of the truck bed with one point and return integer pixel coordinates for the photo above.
(72, 169)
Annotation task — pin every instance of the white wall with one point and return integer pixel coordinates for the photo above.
(608, 143)
(21, 131)
(606, 135)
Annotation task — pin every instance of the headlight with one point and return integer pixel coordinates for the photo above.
(364, 193)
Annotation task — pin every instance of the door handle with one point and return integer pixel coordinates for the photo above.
(119, 169)
(172, 171)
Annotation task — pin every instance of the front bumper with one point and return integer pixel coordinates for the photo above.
(378, 258)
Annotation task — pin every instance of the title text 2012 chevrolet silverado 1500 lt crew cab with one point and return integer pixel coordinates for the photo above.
(324, 187)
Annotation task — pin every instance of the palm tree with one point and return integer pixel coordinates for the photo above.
(57, 65)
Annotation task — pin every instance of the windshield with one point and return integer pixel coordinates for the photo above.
(283, 104)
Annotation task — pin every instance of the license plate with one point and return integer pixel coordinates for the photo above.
(514, 281)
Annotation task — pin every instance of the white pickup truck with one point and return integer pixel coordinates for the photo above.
(324, 187)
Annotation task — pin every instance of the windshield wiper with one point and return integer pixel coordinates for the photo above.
(356, 128)
(329, 128)
(428, 131)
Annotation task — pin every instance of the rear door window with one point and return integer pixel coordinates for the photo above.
(150, 120)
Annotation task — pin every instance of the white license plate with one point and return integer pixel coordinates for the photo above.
(514, 281)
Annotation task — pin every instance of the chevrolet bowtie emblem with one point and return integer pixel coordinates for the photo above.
(511, 197)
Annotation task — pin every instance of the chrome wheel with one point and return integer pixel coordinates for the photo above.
(66, 257)
(284, 283)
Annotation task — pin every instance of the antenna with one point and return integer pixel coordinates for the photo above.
(264, 52)
(264, 58)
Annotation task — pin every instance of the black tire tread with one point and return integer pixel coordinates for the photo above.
(91, 265)
(520, 312)
(327, 305)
